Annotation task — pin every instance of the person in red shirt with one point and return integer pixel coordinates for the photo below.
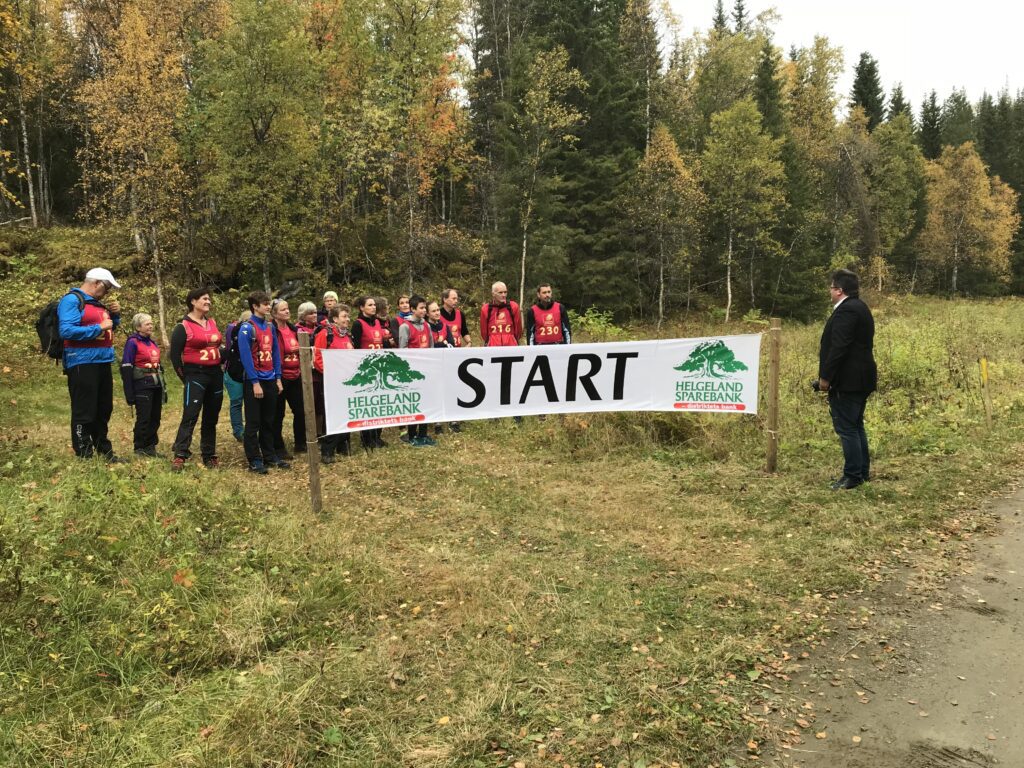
(454, 318)
(291, 381)
(334, 335)
(547, 321)
(501, 324)
(369, 332)
(196, 344)
(144, 387)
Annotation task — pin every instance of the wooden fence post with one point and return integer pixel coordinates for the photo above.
(986, 394)
(774, 358)
(312, 449)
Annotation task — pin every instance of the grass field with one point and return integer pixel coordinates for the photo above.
(610, 590)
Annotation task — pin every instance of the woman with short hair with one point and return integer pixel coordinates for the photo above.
(306, 317)
(144, 387)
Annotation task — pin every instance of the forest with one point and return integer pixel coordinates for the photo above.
(422, 143)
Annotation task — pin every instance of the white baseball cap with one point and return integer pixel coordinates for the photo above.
(99, 273)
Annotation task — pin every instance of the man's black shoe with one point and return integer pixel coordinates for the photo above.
(279, 464)
(112, 458)
(846, 484)
(257, 467)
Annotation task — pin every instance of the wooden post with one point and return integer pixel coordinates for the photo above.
(986, 394)
(774, 359)
(312, 449)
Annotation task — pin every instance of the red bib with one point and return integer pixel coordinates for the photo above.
(419, 339)
(547, 324)
(202, 345)
(372, 336)
(263, 354)
(93, 314)
(289, 353)
(455, 326)
(147, 356)
(500, 329)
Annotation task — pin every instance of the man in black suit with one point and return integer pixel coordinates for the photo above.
(847, 372)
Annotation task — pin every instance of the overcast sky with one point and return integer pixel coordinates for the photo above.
(925, 45)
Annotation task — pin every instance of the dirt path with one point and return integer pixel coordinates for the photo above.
(934, 680)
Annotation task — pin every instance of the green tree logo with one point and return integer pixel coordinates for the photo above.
(712, 358)
(383, 370)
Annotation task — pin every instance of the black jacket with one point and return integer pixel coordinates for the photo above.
(845, 359)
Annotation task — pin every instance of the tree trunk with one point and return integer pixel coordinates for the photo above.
(753, 298)
(27, 157)
(522, 256)
(45, 205)
(661, 284)
(266, 272)
(527, 212)
(5, 204)
(728, 279)
(956, 267)
(158, 273)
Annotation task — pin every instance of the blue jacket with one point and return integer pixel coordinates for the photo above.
(71, 328)
(246, 340)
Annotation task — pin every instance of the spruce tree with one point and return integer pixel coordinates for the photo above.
(739, 17)
(929, 134)
(898, 104)
(768, 91)
(720, 23)
(957, 120)
(867, 90)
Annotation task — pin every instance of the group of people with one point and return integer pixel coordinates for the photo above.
(256, 359)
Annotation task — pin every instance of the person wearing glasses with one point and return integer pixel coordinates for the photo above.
(848, 374)
(87, 328)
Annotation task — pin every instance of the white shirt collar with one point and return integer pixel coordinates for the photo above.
(836, 306)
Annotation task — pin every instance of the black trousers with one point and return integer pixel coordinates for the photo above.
(149, 404)
(258, 440)
(91, 386)
(292, 396)
(417, 430)
(847, 410)
(204, 394)
(329, 444)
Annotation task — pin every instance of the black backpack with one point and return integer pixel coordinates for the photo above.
(234, 361)
(48, 327)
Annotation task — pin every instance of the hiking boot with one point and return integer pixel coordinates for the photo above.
(417, 442)
(282, 453)
(212, 463)
(326, 458)
(177, 464)
(257, 467)
(280, 464)
(405, 438)
(428, 441)
(456, 427)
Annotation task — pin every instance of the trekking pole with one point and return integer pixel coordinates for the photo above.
(312, 452)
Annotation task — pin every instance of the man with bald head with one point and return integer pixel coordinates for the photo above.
(501, 324)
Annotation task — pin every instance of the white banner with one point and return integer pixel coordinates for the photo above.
(364, 389)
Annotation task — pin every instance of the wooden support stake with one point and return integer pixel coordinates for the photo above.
(774, 360)
(986, 394)
(312, 449)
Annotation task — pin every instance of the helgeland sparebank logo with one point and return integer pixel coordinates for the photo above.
(383, 401)
(709, 382)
